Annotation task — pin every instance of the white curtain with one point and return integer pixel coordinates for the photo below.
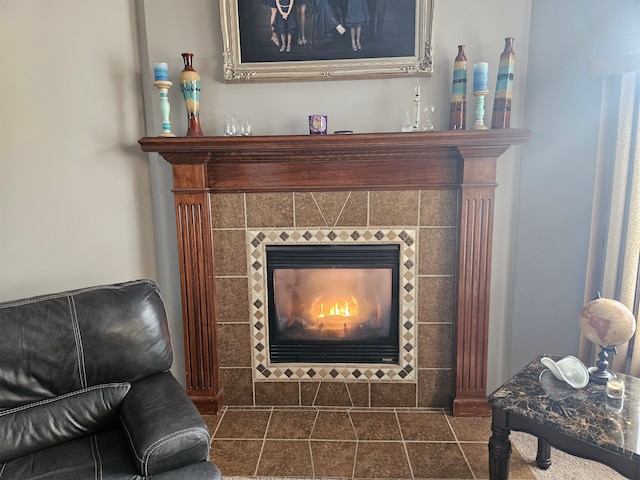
(614, 248)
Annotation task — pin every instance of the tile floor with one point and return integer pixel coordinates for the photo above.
(353, 444)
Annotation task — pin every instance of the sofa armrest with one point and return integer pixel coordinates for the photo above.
(164, 428)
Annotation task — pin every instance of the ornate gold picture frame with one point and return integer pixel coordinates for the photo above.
(330, 39)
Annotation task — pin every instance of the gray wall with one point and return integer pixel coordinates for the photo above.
(558, 168)
(76, 192)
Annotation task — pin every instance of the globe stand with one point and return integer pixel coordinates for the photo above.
(601, 373)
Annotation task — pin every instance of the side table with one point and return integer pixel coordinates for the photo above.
(576, 421)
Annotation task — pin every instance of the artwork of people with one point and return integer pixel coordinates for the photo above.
(285, 24)
(327, 18)
(357, 16)
(301, 13)
(315, 29)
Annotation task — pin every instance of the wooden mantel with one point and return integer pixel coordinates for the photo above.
(464, 160)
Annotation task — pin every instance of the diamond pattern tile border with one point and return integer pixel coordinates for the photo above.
(257, 240)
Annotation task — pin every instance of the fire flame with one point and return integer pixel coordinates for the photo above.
(348, 309)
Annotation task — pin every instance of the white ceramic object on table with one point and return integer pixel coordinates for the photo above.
(569, 370)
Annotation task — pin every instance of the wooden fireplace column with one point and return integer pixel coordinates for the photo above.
(465, 160)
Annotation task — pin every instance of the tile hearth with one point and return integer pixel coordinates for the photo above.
(340, 443)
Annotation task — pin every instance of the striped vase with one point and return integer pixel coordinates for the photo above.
(459, 92)
(504, 87)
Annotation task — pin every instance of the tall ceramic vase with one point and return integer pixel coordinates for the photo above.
(190, 86)
(459, 92)
(504, 87)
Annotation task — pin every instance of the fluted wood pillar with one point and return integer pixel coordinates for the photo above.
(197, 282)
(475, 236)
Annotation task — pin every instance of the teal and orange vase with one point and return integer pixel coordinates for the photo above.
(504, 87)
(459, 92)
(190, 86)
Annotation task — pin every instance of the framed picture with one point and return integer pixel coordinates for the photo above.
(289, 40)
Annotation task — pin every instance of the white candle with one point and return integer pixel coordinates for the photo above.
(160, 71)
(480, 76)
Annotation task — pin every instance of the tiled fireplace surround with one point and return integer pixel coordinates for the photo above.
(440, 184)
(237, 219)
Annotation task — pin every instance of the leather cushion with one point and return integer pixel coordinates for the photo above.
(104, 455)
(42, 424)
(54, 344)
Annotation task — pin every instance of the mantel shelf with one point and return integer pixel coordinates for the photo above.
(284, 148)
(464, 161)
(372, 161)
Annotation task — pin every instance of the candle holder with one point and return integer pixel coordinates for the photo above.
(428, 122)
(479, 125)
(163, 86)
(415, 126)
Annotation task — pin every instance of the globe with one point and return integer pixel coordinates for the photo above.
(607, 322)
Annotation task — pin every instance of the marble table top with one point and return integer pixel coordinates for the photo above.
(584, 414)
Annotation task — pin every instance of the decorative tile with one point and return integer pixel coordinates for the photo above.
(438, 208)
(435, 345)
(227, 210)
(291, 424)
(359, 393)
(438, 460)
(394, 208)
(308, 391)
(436, 299)
(237, 385)
(375, 425)
(404, 237)
(354, 211)
(472, 429)
(333, 394)
(280, 393)
(233, 348)
(241, 423)
(231, 300)
(276, 459)
(236, 457)
(229, 250)
(382, 460)
(393, 394)
(334, 459)
(434, 388)
(425, 427)
(270, 210)
(333, 425)
(437, 251)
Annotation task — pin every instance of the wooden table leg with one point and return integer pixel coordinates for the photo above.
(543, 459)
(499, 446)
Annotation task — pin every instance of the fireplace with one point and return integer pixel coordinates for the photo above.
(213, 173)
(333, 303)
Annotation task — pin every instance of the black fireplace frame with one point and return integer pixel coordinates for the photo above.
(362, 256)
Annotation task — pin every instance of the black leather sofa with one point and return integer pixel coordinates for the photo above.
(86, 392)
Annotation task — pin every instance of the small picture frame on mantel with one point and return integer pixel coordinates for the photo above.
(297, 40)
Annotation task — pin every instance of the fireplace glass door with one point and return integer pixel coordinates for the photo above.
(333, 303)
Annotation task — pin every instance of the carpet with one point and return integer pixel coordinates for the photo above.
(563, 466)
